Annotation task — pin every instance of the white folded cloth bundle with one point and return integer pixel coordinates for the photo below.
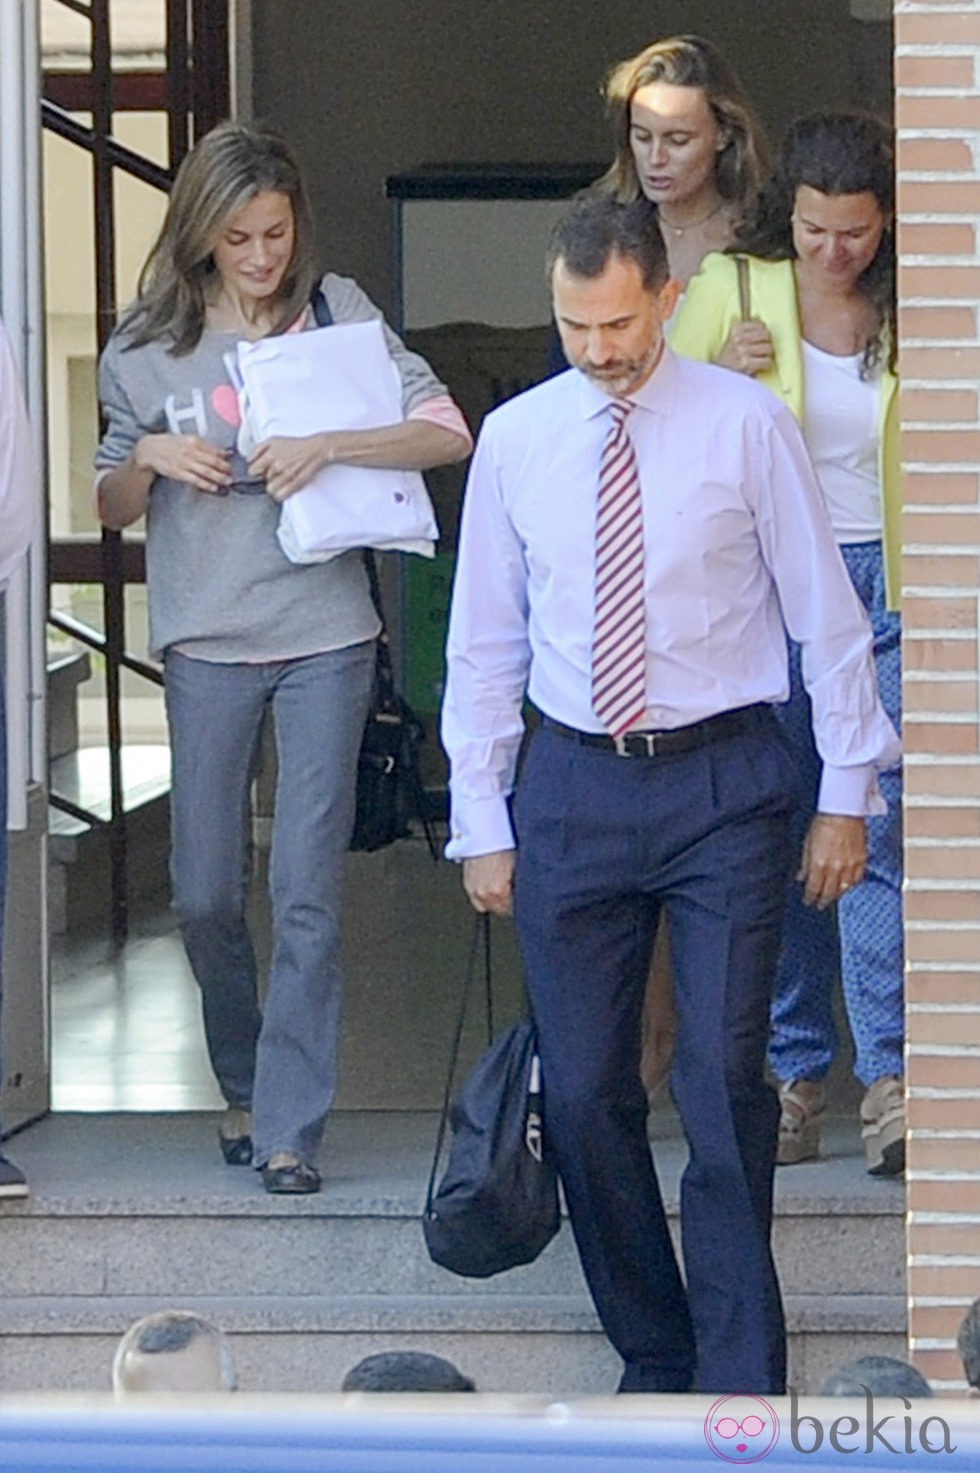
(336, 378)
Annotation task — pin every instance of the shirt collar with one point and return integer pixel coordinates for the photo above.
(657, 395)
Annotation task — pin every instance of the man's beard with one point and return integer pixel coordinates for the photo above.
(622, 374)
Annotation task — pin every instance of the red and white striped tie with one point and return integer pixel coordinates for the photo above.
(619, 634)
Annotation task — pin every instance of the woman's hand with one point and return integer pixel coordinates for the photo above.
(749, 348)
(189, 458)
(287, 463)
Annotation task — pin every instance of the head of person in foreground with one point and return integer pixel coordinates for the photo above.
(407, 1371)
(173, 1350)
(879, 1375)
(611, 292)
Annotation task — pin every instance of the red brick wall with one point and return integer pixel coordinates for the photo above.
(938, 120)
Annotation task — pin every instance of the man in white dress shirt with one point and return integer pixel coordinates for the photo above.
(606, 829)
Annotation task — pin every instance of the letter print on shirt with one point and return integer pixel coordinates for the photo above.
(192, 414)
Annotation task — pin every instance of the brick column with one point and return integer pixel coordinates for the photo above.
(938, 118)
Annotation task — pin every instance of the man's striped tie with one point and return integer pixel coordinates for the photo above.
(619, 635)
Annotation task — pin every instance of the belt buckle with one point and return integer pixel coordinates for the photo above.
(648, 738)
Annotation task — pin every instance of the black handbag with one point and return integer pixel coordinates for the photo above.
(496, 1206)
(390, 795)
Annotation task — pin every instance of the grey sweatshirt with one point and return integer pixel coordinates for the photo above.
(220, 587)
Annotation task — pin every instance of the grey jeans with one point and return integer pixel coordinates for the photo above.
(280, 1063)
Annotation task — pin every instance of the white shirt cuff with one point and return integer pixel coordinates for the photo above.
(851, 791)
(484, 827)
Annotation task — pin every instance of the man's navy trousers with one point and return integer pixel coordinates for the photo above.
(605, 841)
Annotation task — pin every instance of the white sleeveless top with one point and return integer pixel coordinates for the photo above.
(840, 422)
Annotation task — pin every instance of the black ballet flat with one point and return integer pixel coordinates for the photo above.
(237, 1150)
(297, 1177)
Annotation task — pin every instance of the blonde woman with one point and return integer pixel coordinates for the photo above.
(688, 140)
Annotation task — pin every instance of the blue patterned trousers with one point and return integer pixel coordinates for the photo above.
(865, 942)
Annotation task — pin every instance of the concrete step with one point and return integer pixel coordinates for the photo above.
(202, 1247)
(129, 1213)
(551, 1345)
(157, 1202)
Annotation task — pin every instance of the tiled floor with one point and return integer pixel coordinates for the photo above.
(126, 1030)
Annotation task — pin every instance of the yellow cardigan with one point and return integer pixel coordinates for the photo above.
(707, 314)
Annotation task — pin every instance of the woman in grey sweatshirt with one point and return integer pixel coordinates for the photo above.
(240, 629)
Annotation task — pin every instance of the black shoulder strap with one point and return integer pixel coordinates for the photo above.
(384, 672)
(481, 931)
(321, 307)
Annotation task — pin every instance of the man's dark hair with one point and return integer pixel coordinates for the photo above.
(405, 1370)
(882, 1375)
(597, 227)
(968, 1344)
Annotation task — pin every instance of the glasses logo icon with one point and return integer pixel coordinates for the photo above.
(751, 1427)
(741, 1429)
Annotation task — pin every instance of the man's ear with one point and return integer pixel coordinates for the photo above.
(667, 297)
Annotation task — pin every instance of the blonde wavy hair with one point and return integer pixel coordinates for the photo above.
(689, 61)
(226, 169)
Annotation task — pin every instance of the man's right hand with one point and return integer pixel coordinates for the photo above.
(489, 882)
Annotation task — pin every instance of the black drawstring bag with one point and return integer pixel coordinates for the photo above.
(497, 1204)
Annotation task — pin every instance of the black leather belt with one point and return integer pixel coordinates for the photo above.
(669, 743)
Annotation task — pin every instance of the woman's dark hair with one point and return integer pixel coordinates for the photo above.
(689, 61)
(223, 172)
(835, 153)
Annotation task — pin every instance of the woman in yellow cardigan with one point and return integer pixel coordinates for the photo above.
(814, 319)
